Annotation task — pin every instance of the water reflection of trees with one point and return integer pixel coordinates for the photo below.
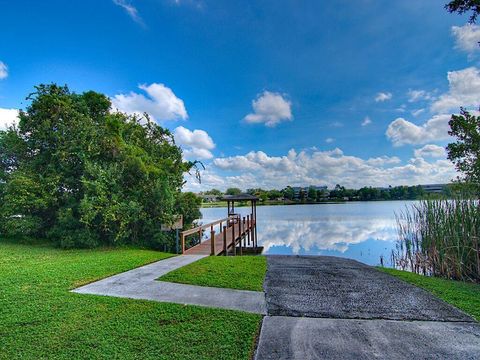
(329, 234)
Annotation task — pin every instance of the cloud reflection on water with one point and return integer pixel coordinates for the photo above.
(336, 234)
(364, 231)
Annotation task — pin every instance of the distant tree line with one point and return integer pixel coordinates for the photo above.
(339, 193)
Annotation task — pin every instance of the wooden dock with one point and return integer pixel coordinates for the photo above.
(234, 235)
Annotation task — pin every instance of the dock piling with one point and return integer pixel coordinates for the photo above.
(212, 241)
(225, 240)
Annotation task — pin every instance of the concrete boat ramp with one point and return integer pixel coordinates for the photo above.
(332, 308)
(321, 308)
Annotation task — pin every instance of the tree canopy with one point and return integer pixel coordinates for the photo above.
(465, 151)
(465, 6)
(83, 176)
(233, 191)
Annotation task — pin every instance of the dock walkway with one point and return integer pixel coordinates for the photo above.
(234, 235)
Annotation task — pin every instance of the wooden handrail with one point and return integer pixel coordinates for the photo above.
(233, 231)
(203, 227)
(199, 229)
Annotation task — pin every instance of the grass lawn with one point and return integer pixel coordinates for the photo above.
(235, 272)
(41, 319)
(465, 296)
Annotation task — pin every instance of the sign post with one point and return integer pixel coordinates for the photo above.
(177, 245)
(177, 225)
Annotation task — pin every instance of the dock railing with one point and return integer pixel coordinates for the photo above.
(232, 230)
(200, 229)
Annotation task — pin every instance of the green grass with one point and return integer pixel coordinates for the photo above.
(234, 272)
(41, 319)
(463, 295)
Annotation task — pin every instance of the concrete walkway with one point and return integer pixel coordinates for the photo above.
(141, 283)
(333, 308)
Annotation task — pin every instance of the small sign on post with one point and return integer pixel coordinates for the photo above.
(177, 225)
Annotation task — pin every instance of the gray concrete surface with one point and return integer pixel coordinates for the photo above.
(310, 338)
(332, 287)
(141, 283)
(333, 308)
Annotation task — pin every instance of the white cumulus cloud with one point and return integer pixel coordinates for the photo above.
(464, 90)
(130, 10)
(401, 131)
(467, 38)
(271, 109)
(337, 124)
(366, 121)
(8, 117)
(417, 112)
(257, 168)
(430, 151)
(383, 160)
(161, 103)
(3, 70)
(383, 96)
(418, 95)
(197, 144)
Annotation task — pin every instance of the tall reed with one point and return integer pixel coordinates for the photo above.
(440, 238)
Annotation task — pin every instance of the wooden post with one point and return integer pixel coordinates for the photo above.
(244, 232)
(248, 229)
(225, 240)
(183, 242)
(255, 225)
(241, 235)
(200, 235)
(253, 235)
(233, 239)
(212, 240)
(244, 235)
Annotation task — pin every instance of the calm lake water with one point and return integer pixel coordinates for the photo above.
(363, 231)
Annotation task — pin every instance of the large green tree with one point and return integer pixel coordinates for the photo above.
(465, 151)
(233, 191)
(77, 173)
(465, 6)
(465, 127)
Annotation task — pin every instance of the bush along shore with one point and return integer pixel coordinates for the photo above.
(440, 238)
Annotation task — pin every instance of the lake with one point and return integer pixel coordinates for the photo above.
(363, 231)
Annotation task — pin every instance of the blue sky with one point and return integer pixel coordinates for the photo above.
(265, 93)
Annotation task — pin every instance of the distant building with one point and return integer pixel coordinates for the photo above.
(210, 198)
(319, 188)
(434, 188)
(298, 190)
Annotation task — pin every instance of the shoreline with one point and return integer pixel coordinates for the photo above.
(220, 204)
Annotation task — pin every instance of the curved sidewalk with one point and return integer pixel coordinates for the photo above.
(141, 283)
